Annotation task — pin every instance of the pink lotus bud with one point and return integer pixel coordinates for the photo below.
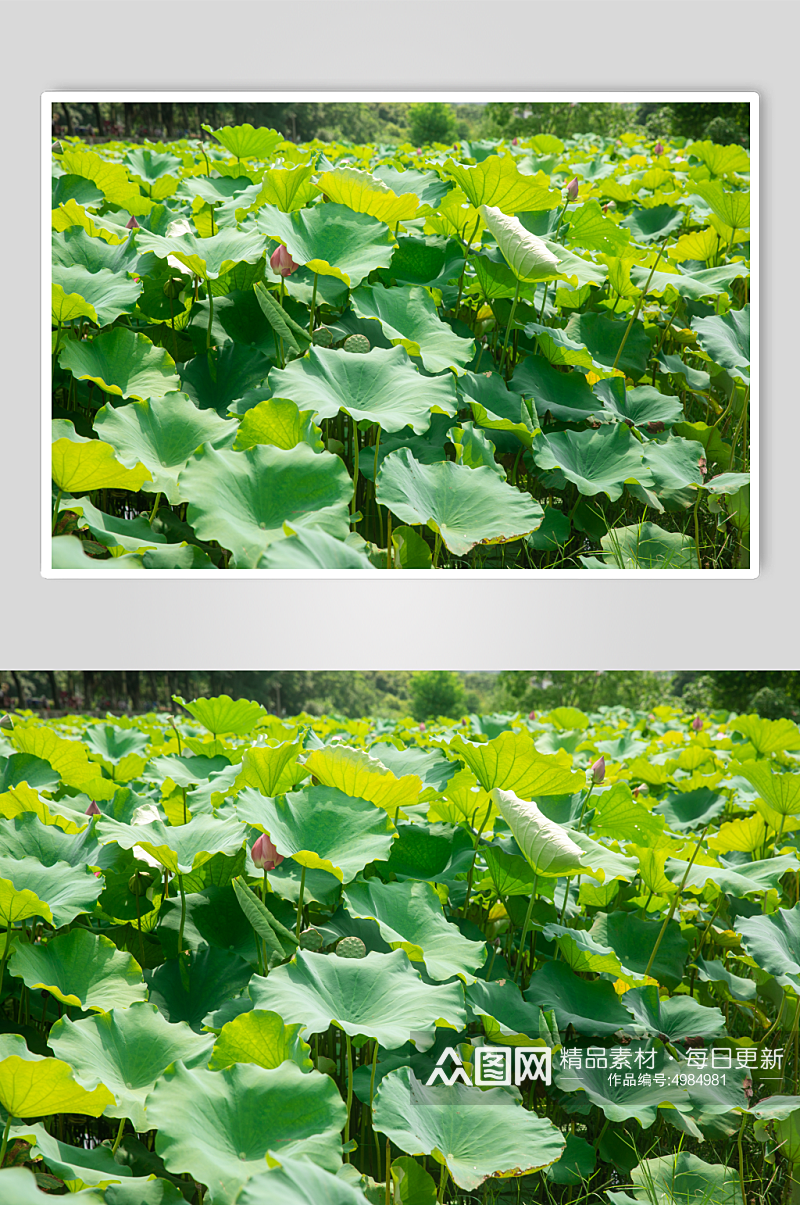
(572, 188)
(599, 770)
(264, 854)
(93, 809)
(531, 715)
(132, 224)
(422, 727)
(514, 141)
(697, 724)
(281, 261)
(658, 149)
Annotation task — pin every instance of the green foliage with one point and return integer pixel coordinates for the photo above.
(431, 121)
(436, 692)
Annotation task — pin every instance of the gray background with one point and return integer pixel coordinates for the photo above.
(459, 623)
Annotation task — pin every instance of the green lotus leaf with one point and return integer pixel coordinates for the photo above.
(726, 339)
(507, 1019)
(407, 316)
(638, 406)
(767, 736)
(180, 848)
(219, 1125)
(648, 546)
(364, 193)
(498, 181)
(262, 1039)
(410, 918)
(474, 449)
(498, 409)
(683, 1177)
(675, 465)
(476, 1133)
(576, 1164)
(111, 178)
(380, 996)
(633, 940)
(67, 757)
(280, 423)
(67, 890)
(465, 506)
(142, 1190)
(649, 225)
(19, 904)
(32, 1086)
(208, 258)
(243, 499)
(132, 535)
(559, 349)
(70, 215)
(676, 1018)
(422, 261)
(545, 844)
(272, 769)
(619, 815)
(695, 285)
(151, 165)
(75, 247)
(511, 762)
(18, 1186)
(603, 336)
(76, 1166)
(24, 767)
(216, 190)
(362, 776)
(80, 968)
(567, 396)
(321, 828)
(410, 550)
(122, 362)
(104, 294)
(113, 743)
(79, 466)
(298, 1182)
(222, 381)
(213, 976)
(381, 387)
(528, 257)
(313, 549)
(289, 188)
(623, 1103)
(331, 240)
(590, 1007)
(588, 227)
(127, 1049)
(773, 941)
(246, 141)
(510, 874)
(161, 435)
(731, 207)
(427, 185)
(687, 810)
(223, 714)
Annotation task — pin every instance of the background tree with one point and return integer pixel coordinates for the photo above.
(431, 121)
(436, 692)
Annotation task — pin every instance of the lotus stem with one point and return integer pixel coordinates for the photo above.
(313, 303)
(4, 960)
(210, 315)
(508, 325)
(472, 864)
(525, 929)
(183, 915)
(300, 903)
(697, 528)
(591, 784)
(153, 514)
(4, 1146)
(635, 313)
(388, 1200)
(674, 903)
(355, 464)
(389, 564)
(118, 1138)
(349, 1094)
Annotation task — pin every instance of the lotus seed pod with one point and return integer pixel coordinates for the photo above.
(311, 939)
(6, 722)
(173, 288)
(356, 343)
(141, 882)
(599, 770)
(323, 337)
(351, 947)
(572, 188)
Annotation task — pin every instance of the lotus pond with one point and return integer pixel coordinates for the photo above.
(525, 355)
(238, 947)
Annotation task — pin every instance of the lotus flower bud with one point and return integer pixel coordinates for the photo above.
(422, 727)
(531, 715)
(264, 854)
(572, 188)
(658, 149)
(281, 261)
(697, 724)
(598, 770)
(132, 224)
(93, 809)
(514, 141)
